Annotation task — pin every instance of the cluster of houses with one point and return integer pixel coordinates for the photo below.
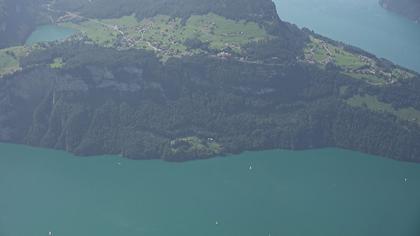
(369, 68)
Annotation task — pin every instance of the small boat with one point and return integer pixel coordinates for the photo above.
(217, 222)
(50, 233)
(405, 180)
(250, 167)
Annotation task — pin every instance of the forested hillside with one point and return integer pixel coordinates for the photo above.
(189, 79)
(17, 20)
(233, 9)
(127, 102)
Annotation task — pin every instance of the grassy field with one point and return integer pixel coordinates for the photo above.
(357, 66)
(322, 52)
(57, 63)
(372, 103)
(167, 35)
(369, 78)
(220, 32)
(9, 59)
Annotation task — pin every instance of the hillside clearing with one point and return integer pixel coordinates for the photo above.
(167, 36)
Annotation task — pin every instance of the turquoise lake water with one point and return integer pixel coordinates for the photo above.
(362, 23)
(327, 192)
(49, 33)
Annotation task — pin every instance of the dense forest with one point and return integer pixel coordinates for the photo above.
(234, 9)
(18, 18)
(129, 103)
(292, 89)
(408, 8)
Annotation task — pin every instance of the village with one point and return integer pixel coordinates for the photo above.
(167, 36)
(359, 66)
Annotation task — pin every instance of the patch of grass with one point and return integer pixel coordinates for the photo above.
(95, 31)
(57, 63)
(348, 60)
(373, 104)
(221, 32)
(9, 59)
(371, 79)
(370, 102)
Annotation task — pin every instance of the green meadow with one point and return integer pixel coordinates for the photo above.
(167, 35)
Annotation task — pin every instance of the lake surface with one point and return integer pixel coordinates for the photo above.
(325, 192)
(49, 33)
(362, 23)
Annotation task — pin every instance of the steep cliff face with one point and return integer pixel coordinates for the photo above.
(105, 101)
(408, 8)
